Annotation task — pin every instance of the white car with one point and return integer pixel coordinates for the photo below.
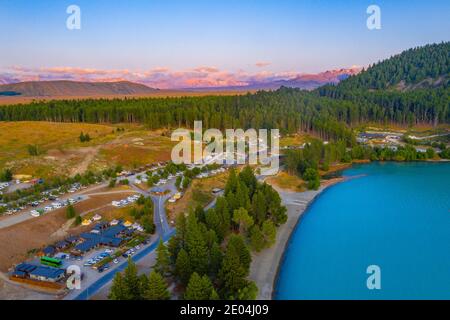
(34, 213)
(115, 203)
(116, 261)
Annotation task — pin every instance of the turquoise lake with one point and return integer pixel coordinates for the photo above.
(393, 215)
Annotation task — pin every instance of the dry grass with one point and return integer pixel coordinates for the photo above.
(61, 152)
(58, 145)
(286, 181)
(294, 140)
(134, 149)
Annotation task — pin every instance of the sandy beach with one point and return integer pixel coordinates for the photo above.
(265, 264)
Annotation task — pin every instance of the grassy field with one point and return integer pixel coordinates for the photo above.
(294, 140)
(135, 148)
(60, 151)
(286, 181)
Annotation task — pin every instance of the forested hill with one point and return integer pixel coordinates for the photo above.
(413, 87)
(421, 67)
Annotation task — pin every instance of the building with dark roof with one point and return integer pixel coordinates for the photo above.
(101, 226)
(86, 246)
(19, 274)
(25, 267)
(88, 236)
(49, 251)
(72, 239)
(62, 245)
(114, 231)
(43, 273)
(103, 237)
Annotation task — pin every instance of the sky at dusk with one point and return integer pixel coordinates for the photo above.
(207, 43)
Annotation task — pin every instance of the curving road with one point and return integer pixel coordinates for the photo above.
(163, 230)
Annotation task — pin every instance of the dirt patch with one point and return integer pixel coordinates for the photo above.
(16, 241)
(10, 291)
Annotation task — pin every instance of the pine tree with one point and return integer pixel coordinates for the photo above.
(256, 239)
(242, 219)
(162, 258)
(249, 292)
(232, 182)
(269, 232)
(157, 288)
(198, 288)
(232, 274)
(259, 208)
(196, 246)
(223, 211)
(237, 243)
(132, 281)
(70, 212)
(214, 295)
(248, 177)
(215, 259)
(183, 267)
(118, 289)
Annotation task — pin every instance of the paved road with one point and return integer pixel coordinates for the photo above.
(163, 230)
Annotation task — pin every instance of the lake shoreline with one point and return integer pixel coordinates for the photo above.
(266, 264)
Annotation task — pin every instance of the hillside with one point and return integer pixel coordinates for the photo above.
(410, 88)
(73, 88)
(421, 67)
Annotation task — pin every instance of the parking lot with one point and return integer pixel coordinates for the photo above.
(90, 275)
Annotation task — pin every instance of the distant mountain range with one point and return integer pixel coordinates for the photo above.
(303, 81)
(73, 88)
(65, 88)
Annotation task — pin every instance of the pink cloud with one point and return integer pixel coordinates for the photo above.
(261, 64)
(160, 77)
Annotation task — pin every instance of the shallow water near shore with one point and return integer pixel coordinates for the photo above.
(393, 215)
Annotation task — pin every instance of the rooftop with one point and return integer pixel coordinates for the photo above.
(47, 272)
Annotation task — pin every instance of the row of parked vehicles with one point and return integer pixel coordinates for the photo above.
(58, 204)
(125, 202)
(107, 253)
(49, 195)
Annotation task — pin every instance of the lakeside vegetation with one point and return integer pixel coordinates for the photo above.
(317, 156)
